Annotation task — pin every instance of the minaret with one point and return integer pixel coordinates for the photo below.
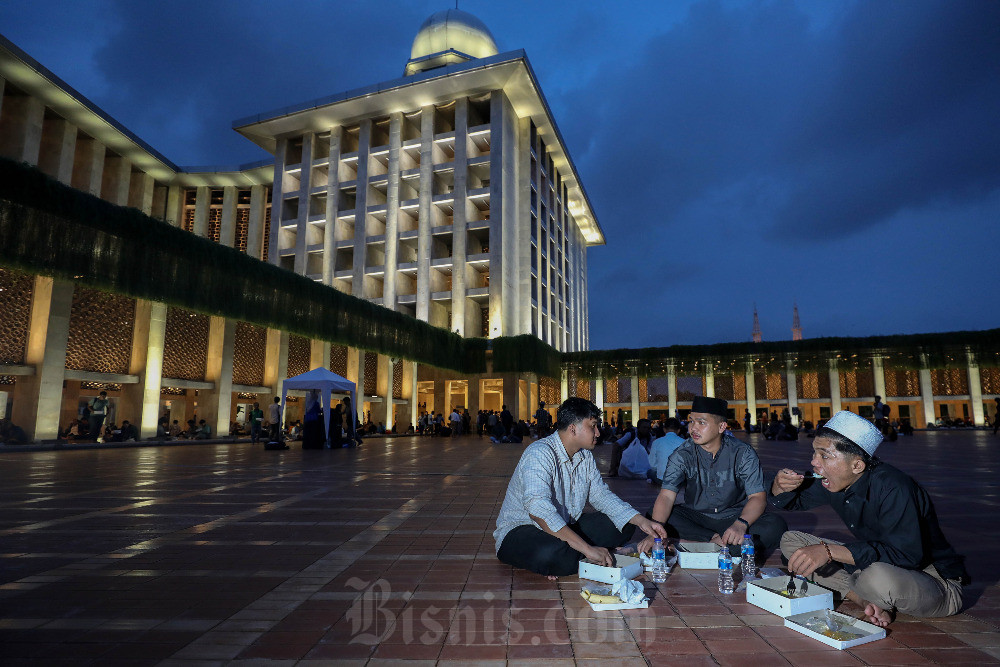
(796, 326)
(756, 326)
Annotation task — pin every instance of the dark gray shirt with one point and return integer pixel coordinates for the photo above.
(717, 486)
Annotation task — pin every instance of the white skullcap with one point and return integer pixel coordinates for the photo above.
(857, 429)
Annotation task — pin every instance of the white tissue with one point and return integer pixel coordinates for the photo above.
(630, 591)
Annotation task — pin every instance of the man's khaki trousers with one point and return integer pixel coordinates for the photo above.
(920, 593)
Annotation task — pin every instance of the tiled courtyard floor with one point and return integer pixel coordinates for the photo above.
(215, 554)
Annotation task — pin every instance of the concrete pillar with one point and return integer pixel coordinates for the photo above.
(88, 166)
(38, 397)
(217, 404)
(927, 393)
(117, 180)
(411, 391)
(277, 194)
(504, 228)
(361, 219)
(319, 354)
(975, 391)
(563, 385)
(709, 379)
(459, 236)
(391, 260)
(424, 213)
(21, 125)
(276, 361)
(332, 206)
(441, 397)
(512, 394)
(141, 402)
(57, 150)
(356, 374)
(302, 240)
(878, 371)
(173, 206)
(793, 391)
(227, 225)
(522, 178)
(599, 394)
(258, 217)
(751, 393)
(202, 202)
(835, 404)
(142, 187)
(672, 389)
(636, 399)
(382, 412)
(475, 397)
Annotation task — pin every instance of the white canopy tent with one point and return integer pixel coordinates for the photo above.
(326, 382)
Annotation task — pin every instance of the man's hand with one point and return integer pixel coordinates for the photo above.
(599, 555)
(786, 480)
(807, 560)
(734, 534)
(652, 528)
(646, 546)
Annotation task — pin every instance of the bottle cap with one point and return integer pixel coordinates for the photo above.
(746, 535)
(657, 540)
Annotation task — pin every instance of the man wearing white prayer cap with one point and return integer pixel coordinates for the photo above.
(899, 559)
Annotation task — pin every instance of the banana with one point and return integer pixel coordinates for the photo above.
(594, 598)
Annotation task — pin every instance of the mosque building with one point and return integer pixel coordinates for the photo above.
(446, 196)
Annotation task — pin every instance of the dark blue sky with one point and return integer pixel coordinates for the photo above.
(844, 156)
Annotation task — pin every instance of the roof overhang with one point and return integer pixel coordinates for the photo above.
(509, 72)
(28, 75)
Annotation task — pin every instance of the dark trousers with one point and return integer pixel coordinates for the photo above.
(688, 524)
(95, 426)
(530, 548)
(616, 458)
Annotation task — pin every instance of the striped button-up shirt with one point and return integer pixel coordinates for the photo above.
(550, 485)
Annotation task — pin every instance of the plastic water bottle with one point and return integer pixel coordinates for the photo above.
(726, 584)
(659, 562)
(747, 558)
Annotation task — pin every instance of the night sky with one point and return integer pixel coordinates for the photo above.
(844, 156)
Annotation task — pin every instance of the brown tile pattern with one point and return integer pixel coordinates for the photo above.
(211, 554)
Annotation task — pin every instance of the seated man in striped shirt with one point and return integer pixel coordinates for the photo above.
(542, 526)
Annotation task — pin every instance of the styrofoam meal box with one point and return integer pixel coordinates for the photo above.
(606, 590)
(870, 632)
(700, 556)
(765, 594)
(627, 567)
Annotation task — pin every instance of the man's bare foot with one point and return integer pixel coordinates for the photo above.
(552, 578)
(875, 615)
(717, 539)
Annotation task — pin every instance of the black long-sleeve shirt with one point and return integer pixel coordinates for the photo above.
(891, 517)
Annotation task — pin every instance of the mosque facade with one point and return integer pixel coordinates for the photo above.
(447, 194)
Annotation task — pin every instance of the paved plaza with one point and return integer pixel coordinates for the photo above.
(225, 553)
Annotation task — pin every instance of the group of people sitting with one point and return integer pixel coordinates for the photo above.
(897, 559)
(196, 429)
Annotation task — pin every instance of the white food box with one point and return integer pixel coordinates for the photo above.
(765, 593)
(870, 632)
(627, 568)
(700, 556)
(606, 590)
